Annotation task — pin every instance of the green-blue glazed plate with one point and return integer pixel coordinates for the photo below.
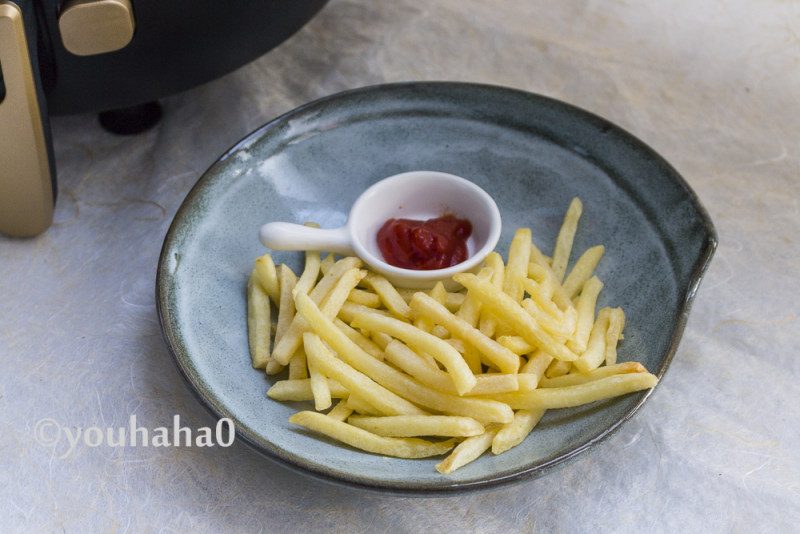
(531, 153)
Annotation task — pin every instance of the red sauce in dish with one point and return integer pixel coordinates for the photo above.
(424, 245)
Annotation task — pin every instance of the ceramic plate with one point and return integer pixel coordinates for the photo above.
(531, 153)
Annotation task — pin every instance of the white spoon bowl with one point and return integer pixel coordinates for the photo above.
(418, 195)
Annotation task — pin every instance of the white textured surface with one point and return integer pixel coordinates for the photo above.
(712, 86)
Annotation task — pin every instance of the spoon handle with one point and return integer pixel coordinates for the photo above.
(289, 236)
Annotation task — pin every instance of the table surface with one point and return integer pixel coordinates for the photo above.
(711, 86)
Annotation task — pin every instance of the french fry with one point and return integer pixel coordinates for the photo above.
(467, 451)
(537, 365)
(454, 299)
(616, 323)
(582, 270)
(300, 390)
(287, 280)
(365, 298)
(571, 396)
(389, 296)
(595, 352)
(506, 361)
(331, 303)
(542, 294)
(418, 425)
(385, 401)
(415, 365)
(566, 235)
(484, 410)
(488, 322)
(268, 277)
(319, 382)
(540, 271)
(308, 278)
(350, 309)
(258, 322)
(360, 339)
(558, 368)
(587, 303)
(298, 366)
(462, 377)
(513, 433)
(511, 312)
(359, 406)
(519, 256)
(341, 411)
(327, 263)
(361, 439)
(573, 379)
(559, 329)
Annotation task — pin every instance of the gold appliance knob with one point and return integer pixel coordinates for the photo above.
(90, 27)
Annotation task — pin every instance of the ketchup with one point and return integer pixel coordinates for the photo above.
(424, 245)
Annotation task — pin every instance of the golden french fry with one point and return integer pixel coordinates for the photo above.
(327, 263)
(558, 368)
(573, 379)
(543, 274)
(359, 406)
(365, 298)
(268, 277)
(488, 322)
(350, 309)
(519, 256)
(516, 344)
(462, 377)
(566, 235)
(506, 361)
(513, 433)
(308, 278)
(376, 395)
(418, 425)
(616, 323)
(570, 396)
(470, 309)
(300, 390)
(273, 367)
(512, 313)
(415, 365)
(389, 296)
(595, 352)
(542, 294)
(467, 451)
(319, 383)
(258, 322)
(331, 303)
(341, 411)
(587, 302)
(361, 439)
(298, 366)
(582, 270)
(485, 411)
(559, 329)
(360, 339)
(453, 301)
(535, 367)
(287, 280)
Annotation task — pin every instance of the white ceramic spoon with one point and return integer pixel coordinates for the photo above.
(419, 195)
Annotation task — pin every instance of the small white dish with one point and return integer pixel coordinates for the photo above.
(418, 195)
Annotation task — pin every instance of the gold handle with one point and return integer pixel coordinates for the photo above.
(26, 185)
(90, 27)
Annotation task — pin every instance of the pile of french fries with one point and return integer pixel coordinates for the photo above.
(422, 373)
